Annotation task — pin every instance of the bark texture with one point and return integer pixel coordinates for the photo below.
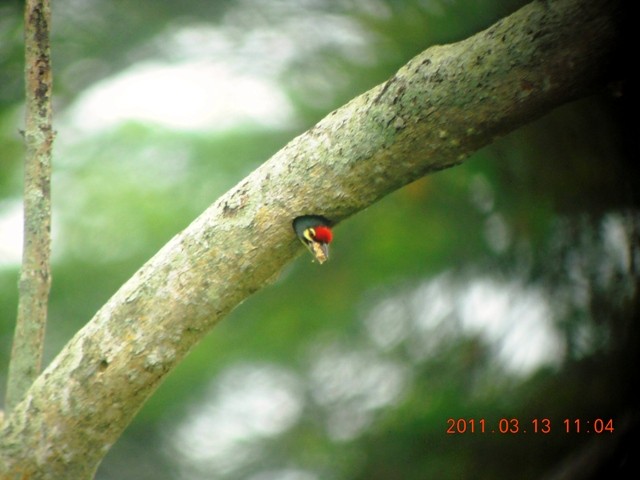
(35, 276)
(444, 104)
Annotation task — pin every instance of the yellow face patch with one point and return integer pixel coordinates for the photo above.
(310, 234)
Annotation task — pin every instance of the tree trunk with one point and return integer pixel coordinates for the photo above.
(444, 104)
(35, 276)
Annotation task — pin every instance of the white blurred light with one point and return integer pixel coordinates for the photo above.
(193, 95)
(285, 474)
(515, 319)
(247, 404)
(352, 384)
(10, 234)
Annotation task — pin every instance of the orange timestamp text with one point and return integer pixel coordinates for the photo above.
(456, 426)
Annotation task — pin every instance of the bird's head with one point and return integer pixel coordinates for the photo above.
(314, 231)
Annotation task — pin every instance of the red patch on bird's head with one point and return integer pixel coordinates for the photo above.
(323, 234)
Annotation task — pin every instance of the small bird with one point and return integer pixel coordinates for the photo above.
(314, 231)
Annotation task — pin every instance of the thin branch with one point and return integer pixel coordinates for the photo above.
(35, 277)
(443, 105)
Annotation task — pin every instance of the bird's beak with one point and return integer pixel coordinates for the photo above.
(320, 251)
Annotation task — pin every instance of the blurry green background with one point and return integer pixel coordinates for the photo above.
(503, 288)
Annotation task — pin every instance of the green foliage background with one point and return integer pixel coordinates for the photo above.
(350, 370)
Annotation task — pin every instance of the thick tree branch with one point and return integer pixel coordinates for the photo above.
(35, 277)
(443, 105)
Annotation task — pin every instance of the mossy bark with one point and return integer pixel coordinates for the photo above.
(35, 276)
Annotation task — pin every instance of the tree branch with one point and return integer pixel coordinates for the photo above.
(35, 277)
(440, 107)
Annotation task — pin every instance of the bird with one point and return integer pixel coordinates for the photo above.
(314, 231)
